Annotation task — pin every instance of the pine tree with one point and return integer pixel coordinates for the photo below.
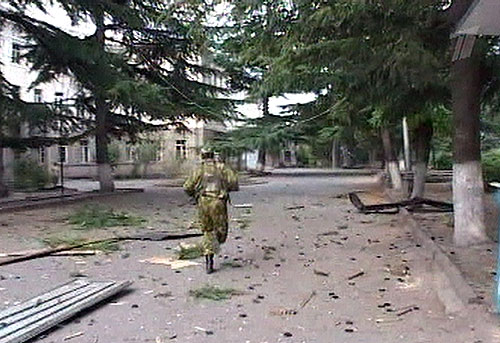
(140, 66)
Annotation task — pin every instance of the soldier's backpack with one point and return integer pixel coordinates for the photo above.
(212, 181)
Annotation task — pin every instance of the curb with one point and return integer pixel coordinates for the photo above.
(453, 290)
(26, 204)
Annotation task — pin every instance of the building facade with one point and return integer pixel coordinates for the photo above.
(174, 150)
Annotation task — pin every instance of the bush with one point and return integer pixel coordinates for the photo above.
(443, 160)
(29, 175)
(491, 165)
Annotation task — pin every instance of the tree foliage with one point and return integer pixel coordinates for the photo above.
(147, 70)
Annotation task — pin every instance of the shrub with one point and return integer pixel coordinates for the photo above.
(29, 175)
(491, 165)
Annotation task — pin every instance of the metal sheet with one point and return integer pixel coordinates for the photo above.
(27, 320)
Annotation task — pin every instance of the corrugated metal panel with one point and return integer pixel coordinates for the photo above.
(28, 319)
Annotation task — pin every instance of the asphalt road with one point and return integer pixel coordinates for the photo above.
(307, 268)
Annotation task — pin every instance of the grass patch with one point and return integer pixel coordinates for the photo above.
(94, 216)
(214, 293)
(243, 223)
(232, 264)
(106, 246)
(190, 252)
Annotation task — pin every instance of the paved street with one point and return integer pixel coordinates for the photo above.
(292, 260)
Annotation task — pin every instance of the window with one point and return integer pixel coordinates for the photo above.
(41, 155)
(16, 53)
(84, 149)
(16, 91)
(38, 96)
(159, 152)
(63, 154)
(130, 153)
(180, 149)
(58, 98)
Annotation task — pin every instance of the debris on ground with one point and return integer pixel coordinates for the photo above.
(27, 320)
(320, 273)
(298, 207)
(171, 262)
(61, 253)
(243, 205)
(329, 233)
(307, 300)
(412, 205)
(216, 293)
(283, 312)
(405, 310)
(189, 251)
(208, 332)
(354, 276)
(75, 335)
(109, 242)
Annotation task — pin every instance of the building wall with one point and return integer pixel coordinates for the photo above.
(178, 149)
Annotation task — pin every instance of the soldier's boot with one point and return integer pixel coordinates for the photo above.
(209, 263)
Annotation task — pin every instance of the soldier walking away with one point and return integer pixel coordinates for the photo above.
(210, 184)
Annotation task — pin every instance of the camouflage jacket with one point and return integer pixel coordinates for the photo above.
(212, 179)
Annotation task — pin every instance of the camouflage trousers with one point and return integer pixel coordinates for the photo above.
(212, 213)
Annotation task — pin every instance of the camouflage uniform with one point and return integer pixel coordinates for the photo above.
(211, 184)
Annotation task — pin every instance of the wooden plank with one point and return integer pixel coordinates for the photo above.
(36, 323)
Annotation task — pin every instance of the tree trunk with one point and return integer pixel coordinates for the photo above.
(467, 174)
(104, 170)
(262, 159)
(265, 106)
(423, 136)
(391, 161)
(335, 154)
(4, 191)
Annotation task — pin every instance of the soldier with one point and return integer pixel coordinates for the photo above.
(210, 185)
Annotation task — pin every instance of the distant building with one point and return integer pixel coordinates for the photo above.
(175, 149)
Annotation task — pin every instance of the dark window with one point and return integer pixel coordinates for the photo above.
(63, 154)
(38, 96)
(16, 53)
(58, 98)
(84, 144)
(180, 149)
(41, 154)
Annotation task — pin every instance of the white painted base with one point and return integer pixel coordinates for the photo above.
(419, 172)
(468, 190)
(105, 176)
(395, 174)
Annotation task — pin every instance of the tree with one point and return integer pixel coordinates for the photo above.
(268, 134)
(384, 59)
(467, 83)
(14, 113)
(139, 67)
